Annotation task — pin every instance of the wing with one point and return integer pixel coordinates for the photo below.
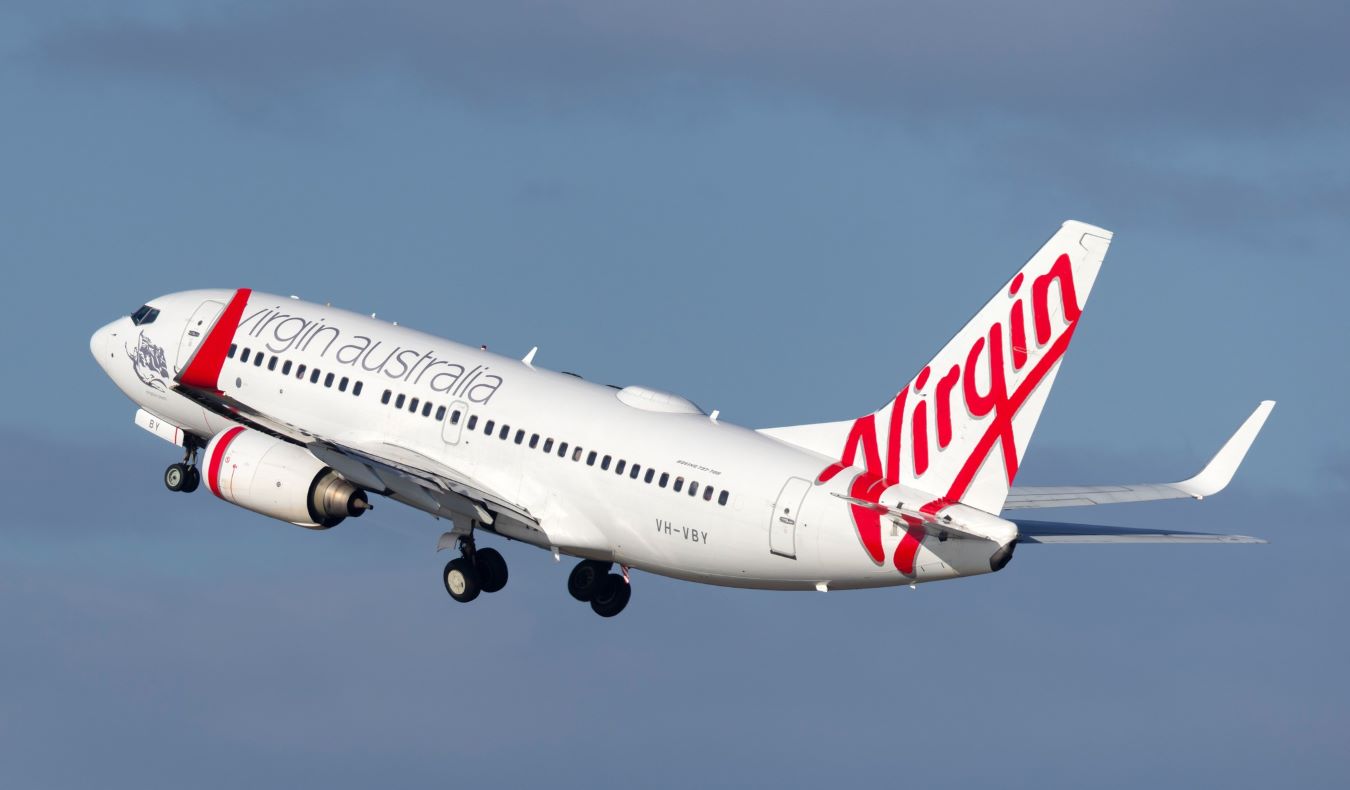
(1054, 532)
(1211, 480)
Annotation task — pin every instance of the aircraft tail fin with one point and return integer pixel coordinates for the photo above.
(959, 428)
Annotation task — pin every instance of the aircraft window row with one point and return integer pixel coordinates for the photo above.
(634, 471)
(260, 358)
(416, 405)
(145, 315)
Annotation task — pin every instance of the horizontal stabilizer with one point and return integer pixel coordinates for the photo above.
(1056, 532)
(1211, 480)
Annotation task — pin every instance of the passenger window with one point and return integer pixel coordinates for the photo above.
(605, 463)
(590, 459)
(258, 359)
(272, 363)
(314, 376)
(679, 483)
(647, 478)
(618, 468)
(487, 429)
(504, 432)
(412, 405)
(665, 478)
(286, 368)
(356, 390)
(636, 470)
(576, 455)
(707, 494)
(440, 413)
(693, 488)
(473, 422)
(722, 497)
(233, 348)
(398, 402)
(386, 396)
(426, 409)
(244, 356)
(328, 380)
(454, 417)
(342, 385)
(562, 450)
(548, 445)
(300, 371)
(534, 440)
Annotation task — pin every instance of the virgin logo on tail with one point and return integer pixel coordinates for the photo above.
(949, 441)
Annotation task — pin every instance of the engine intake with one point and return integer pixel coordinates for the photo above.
(279, 479)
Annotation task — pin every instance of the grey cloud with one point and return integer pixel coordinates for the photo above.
(1088, 65)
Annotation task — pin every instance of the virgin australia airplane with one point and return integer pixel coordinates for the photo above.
(301, 412)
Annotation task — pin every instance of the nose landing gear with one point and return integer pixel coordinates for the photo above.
(184, 477)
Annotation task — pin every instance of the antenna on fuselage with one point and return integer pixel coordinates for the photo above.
(528, 359)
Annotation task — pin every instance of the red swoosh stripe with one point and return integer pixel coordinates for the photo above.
(203, 372)
(217, 454)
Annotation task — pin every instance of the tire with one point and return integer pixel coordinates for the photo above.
(585, 579)
(491, 567)
(175, 477)
(194, 479)
(612, 595)
(461, 581)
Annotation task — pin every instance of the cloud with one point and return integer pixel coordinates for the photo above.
(1086, 65)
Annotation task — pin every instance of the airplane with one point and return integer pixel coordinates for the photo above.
(304, 413)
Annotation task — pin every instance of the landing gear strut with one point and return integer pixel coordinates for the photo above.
(475, 570)
(184, 476)
(607, 593)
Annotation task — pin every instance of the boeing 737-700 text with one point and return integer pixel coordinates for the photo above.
(302, 412)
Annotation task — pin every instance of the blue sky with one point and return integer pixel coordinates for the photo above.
(780, 210)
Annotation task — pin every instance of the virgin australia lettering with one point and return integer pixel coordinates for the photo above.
(281, 333)
(304, 412)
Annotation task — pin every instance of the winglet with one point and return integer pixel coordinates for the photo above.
(203, 370)
(1220, 469)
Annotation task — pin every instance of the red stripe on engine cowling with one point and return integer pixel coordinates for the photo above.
(203, 371)
(217, 454)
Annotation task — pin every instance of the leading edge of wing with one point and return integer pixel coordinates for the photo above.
(1209, 481)
(1064, 532)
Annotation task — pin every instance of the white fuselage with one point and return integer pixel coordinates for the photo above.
(741, 539)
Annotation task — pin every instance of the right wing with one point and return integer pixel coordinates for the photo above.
(1211, 480)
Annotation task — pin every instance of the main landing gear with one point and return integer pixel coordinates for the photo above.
(475, 570)
(184, 477)
(607, 593)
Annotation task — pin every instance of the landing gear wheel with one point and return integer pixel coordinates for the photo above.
(491, 569)
(611, 596)
(461, 581)
(585, 579)
(176, 476)
(194, 479)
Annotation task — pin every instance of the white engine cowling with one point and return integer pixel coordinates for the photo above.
(278, 479)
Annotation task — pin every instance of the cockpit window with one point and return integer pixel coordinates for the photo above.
(145, 315)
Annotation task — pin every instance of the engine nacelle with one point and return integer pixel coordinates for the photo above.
(278, 479)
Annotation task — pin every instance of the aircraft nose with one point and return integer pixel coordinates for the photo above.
(98, 343)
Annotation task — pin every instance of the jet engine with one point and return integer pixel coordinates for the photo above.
(278, 479)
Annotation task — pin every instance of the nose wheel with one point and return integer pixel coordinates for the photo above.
(591, 582)
(183, 477)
